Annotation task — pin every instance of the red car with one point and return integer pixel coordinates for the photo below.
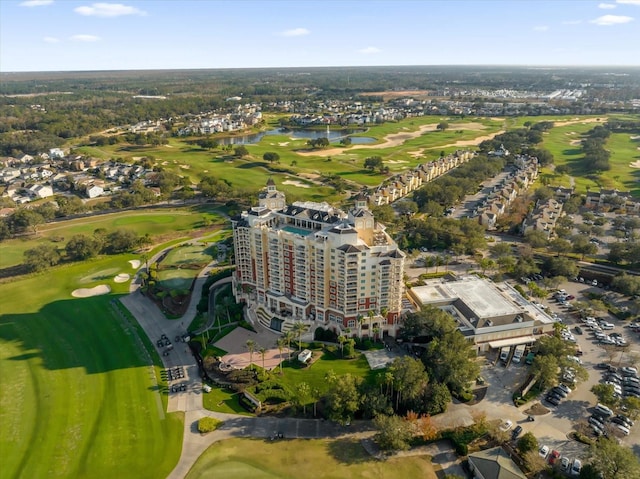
(553, 457)
(570, 297)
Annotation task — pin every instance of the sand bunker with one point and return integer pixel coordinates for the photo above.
(396, 162)
(135, 263)
(635, 164)
(299, 184)
(415, 154)
(122, 278)
(637, 137)
(284, 143)
(88, 292)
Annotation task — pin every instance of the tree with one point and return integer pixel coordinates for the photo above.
(373, 163)
(22, 220)
(302, 396)
(207, 143)
(443, 125)
(613, 460)
(281, 342)
(299, 328)
(583, 246)
(271, 157)
(560, 246)
(561, 266)
(81, 247)
(240, 151)
(605, 394)
(527, 442)
(263, 352)
(436, 398)
(343, 398)
(537, 239)
(546, 369)
(409, 379)
(120, 241)
(251, 346)
(394, 433)
(41, 257)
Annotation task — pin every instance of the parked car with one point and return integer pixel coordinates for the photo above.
(596, 421)
(576, 467)
(565, 388)
(624, 429)
(602, 410)
(543, 451)
(505, 426)
(553, 457)
(516, 432)
(602, 366)
(553, 400)
(607, 325)
(625, 419)
(629, 371)
(578, 329)
(565, 463)
(559, 392)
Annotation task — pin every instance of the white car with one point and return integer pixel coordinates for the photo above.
(607, 326)
(623, 429)
(576, 467)
(506, 426)
(565, 388)
(543, 451)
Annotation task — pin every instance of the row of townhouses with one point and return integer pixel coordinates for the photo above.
(543, 217)
(517, 182)
(219, 123)
(612, 199)
(404, 183)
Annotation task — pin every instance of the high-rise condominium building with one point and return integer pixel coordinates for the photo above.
(312, 262)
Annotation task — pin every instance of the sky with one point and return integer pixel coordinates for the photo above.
(66, 35)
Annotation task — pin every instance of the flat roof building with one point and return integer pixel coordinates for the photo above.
(489, 314)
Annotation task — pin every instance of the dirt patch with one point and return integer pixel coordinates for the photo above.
(88, 292)
(536, 409)
(576, 121)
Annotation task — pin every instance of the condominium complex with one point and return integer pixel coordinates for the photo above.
(314, 263)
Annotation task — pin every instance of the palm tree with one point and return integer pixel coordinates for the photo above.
(376, 331)
(288, 336)
(360, 320)
(251, 346)
(281, 342)
(262, 352)
(303, 395)
(341, 339)
(371, 314)
(299, 328)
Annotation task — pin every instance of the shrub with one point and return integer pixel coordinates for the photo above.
(208, 424)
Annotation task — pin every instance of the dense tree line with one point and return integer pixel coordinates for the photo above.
(596, 157)
(449, 189)
(463, 235)
(81, 247)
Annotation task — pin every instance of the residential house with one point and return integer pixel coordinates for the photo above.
(93, 191)
(494, 463)
(543, 217)
(40, 191)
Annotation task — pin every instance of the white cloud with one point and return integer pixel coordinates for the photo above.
(572, 22)
(108, 10)
(628, 2)
(606, 6)
(540, 28)
(607, 20)
(295, 32)
(51, 39)
(84, 38)
(369, 50)
(36, 3)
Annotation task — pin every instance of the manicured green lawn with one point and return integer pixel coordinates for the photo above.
(223, 400)
(78, 395)
(297, 458)
(315, 374)
(155, 222)
(563, 142)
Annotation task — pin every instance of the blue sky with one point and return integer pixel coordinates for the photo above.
(58, 35)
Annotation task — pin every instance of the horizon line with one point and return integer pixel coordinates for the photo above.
(519, 65)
